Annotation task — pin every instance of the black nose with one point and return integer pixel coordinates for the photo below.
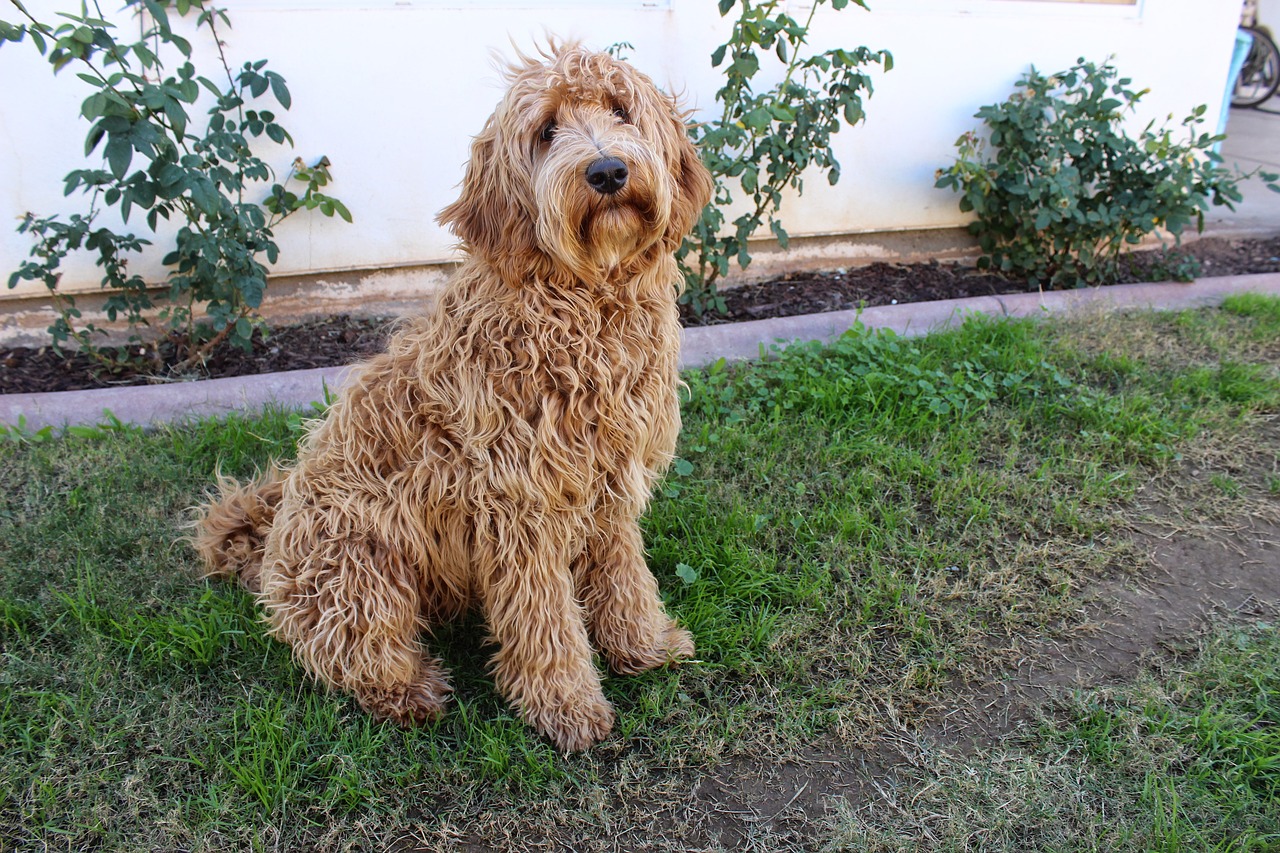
(607, 175)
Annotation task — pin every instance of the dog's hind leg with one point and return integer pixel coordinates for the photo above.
(544, 665)
(350, 608)
(628, 621)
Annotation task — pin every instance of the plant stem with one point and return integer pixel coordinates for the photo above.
(795, 55)
(198, 355)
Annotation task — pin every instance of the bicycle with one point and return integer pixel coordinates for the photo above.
(1259, 76)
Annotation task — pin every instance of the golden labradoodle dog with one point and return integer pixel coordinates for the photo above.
(500, 452)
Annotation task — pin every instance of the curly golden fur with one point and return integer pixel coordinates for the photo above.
(500, 452)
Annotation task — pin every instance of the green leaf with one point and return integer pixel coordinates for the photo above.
(119, 154)
(209, 84)
(279, 89)
(718, 55)
(758, 119)
(746, 65)
(204, 195)
(158, 13)
(784, 239)
(91, 141)
(177, 118)
(782, 113)
(94, 106)
(687, 573)
(257, 85)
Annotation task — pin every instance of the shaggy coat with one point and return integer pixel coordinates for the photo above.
(499, 453)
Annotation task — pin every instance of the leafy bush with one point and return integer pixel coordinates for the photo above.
(1068, 189)
(201, 180)
(764, 141)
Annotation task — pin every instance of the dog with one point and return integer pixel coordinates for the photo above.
(498, 455)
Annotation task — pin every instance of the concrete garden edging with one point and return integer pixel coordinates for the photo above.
(145, 405)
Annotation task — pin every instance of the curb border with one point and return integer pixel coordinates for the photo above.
(146, 405)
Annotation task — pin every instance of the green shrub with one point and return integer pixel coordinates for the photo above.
(139, 110)
(1068, 189)
(764, 141)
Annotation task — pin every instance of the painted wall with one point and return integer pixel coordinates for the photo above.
(392, 90)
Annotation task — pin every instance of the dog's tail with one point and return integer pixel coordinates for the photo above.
(229, 530)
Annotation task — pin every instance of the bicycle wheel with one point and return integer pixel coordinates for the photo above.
(1260, 76)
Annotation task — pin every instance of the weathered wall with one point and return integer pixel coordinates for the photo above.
(391, 91)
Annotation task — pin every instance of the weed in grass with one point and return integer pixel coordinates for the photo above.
(21, 432)
(1229, 487)
(19, 618)
(880, 375)
(1263, 310)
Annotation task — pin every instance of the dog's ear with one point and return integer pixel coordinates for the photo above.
(489, 216)
(693, 185)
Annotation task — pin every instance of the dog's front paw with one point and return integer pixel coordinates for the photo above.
(575, 727)
(678, 643)
(406, 705)
(673, 645)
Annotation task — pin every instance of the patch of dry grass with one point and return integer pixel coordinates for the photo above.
(1188, 760)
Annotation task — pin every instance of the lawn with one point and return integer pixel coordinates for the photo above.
(856, 535)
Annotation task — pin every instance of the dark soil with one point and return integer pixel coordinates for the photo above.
(342, 339)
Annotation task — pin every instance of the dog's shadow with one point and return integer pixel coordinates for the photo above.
(477, 723)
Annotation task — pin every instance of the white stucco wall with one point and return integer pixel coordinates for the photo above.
(1269, 14)
(392, 91)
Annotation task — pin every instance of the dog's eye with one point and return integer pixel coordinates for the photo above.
(548, 131)
(622, 114)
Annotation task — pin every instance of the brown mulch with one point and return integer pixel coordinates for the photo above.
(342, 339)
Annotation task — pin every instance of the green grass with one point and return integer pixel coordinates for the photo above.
(1187, 761)
(852, 533)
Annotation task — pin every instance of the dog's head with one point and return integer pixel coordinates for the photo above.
(585, 167)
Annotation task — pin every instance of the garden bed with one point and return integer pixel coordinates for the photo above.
(341, 339)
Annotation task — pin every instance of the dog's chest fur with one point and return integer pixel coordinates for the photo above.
(597, 408)
(556, 398)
